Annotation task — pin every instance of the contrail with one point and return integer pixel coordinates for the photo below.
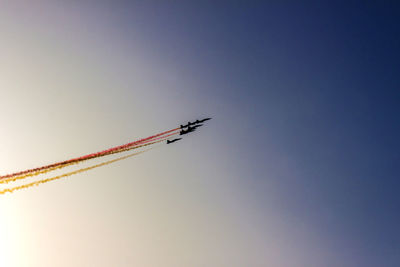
(5, 179)
(31, 174)
(91, 156)
(10, 190)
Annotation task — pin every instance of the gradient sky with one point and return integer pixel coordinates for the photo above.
(299, 166)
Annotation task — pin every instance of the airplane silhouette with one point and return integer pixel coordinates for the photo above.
(170, 142)
(188, 124)
(194, 123)
(203, 120)
(189, 130)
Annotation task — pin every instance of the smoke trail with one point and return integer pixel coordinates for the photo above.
(91, 156)
(69, 173)
(15, 178)
(31, 174)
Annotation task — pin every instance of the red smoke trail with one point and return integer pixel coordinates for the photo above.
(32, 174)
(69, 173)
(94, 155)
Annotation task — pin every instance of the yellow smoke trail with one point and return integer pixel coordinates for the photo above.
(69, 173)
(13, 179)
(93, 155)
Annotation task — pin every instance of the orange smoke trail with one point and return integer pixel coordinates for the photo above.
(15, 178)
(42, 171)
(93, 155)
(10, 190)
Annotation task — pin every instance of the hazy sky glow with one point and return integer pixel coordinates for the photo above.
(299, 166)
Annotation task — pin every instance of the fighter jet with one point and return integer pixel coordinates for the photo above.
(189, 130)
(184, 126)
(203, 120)
(170, 142)
(188, 124)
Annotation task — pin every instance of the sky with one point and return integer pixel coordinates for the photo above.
(298, 167)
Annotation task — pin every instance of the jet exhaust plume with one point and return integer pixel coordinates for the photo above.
(15, 178)
(149, 141)
(10, 190)
(90, 156)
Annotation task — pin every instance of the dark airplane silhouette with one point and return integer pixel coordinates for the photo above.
(194, 123)
(188, 124)
(170, 142)
(189, 130)
(203, 120)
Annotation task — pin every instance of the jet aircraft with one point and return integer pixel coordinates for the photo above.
(189, 130)
(194, 123)
(172, 141)
(201, 121)
(194, 127)
(188, 124)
